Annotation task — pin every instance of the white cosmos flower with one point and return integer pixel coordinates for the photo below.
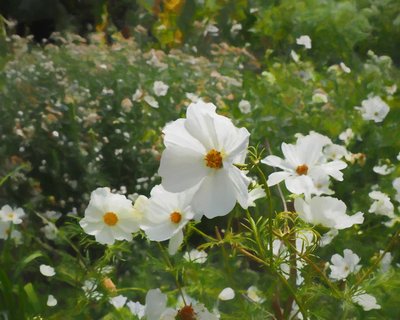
(304, 164)
(51, 301)
(226, 294)
(374, 108)
(13, 215)
(327, 211)
(160, 88)
(366, 301)
(166, 214)
(304, 41)
(383, 169)
(341, 267)
(109, 217)
(244, 106)
(346, 136)
(201, 152)
(46, 270)
(195, 256)
(381, 205)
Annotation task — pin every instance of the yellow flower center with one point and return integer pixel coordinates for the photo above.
(11, 215)
(175, 217)
(301, 170)
(213, 159)
(110, 218)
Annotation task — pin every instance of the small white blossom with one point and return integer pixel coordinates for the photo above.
(226, 294)
(344, 68)
(366, 301)
(160, 88)
(328, 237)
(346, 136)
(386, 261)
(341, 267)
(46, 270)
(383, 169)
(319, 97)
(51, 301)
(13, 215)
(381, 205)
(151, 101)
(374, 108)
(137, 95)
(254, 294)
(244, 106)
(195, 256)
(304, 41)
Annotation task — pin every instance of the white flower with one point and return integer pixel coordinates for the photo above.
(391, 90)
(304, 41)
(344, 68)
(319, 97)
(201, 152)
(109, 217)
(166, 214)
(381, 205)
(151, 101)
(52, 215)
(396, 185)
(136, 308)
(374, 108)
(253, 294)
(304, 164)
(341, 267)
(244, 106)
(137, 95)
(211, 29)
(13, 215)
(195, 256)
(226, 294)
(160, 88)
(46, 270)
(156, 305)
(50, 231)
(335, 152)
(51, 301)
(89, 287)
(346, 136)
(118, 301)
(236, 28)
(383, 169)
(327, 211)
(366, 301)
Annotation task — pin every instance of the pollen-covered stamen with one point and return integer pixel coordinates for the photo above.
(186, 313)
(303, 169)
(175, 217)
(110, 218)
(213, 159)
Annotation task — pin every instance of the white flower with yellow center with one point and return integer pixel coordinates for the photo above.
(201, 152)
(109, 217)
(14, 215)
(304, 165)
(341, 267)
(165, 215)
(374, 108)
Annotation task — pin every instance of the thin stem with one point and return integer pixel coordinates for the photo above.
(281, 278)
(378, 261)
(171, 267)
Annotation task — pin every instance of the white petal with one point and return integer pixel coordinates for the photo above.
(176, 135)
(226, 294)
(175, 242)
(216, 196)
(277, 177)
(181, 169)
(155, 304)
(300, 184)
(276, 162)
(46, 270)
(105, 236)
(240, 184)
(51, 301)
